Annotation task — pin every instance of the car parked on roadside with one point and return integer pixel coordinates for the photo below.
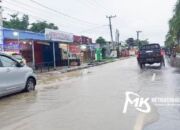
(19, 58)
(150, 54)
(16, 56)
(15, 76)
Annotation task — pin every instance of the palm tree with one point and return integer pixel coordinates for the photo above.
(173, 36)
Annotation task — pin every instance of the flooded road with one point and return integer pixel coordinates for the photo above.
(93, 99)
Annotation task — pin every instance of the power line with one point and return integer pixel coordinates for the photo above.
(92, 4)
(28, 11)
(100, 5)
(90, 29)
(35, 7)
(26, 7)
(61, 13)
(20, 12)
(33, 16)
(37, 18)
(9, 8)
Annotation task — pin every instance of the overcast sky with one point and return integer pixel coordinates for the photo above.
(149, 16)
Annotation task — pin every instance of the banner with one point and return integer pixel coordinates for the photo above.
(74, 49)
(56, 35)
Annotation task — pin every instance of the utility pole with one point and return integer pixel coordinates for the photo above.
(68, 56)
(110, 26)
(117, 42)
(1, 28)
(138, 32)
(117, 36)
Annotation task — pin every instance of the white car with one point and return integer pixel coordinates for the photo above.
(19, 58)
(15, 76)
(16, 55)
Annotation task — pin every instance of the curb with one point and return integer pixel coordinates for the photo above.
(89, 66)
(85, 67)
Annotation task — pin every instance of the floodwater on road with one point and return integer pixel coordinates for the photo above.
(93, 99)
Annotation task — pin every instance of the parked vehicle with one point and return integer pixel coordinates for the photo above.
(19, 58)
(15, 76)
(150, 54)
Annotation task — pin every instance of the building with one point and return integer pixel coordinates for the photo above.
(52, 48)
(38, 49)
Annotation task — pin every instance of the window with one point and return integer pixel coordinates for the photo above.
(7, 62)
(150, 47)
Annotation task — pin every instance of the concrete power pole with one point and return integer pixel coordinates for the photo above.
(1, 27)
(118, 42)
(138, 32)
(110, 26)
(117, 36)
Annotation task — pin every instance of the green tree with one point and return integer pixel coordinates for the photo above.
(173, 35)
(144, 42)
(101, 41)
(40, 26)
(17, 23)
(25, 22)
(169, 40)
(130, 42)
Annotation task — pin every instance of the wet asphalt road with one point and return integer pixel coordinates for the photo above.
(93, 99)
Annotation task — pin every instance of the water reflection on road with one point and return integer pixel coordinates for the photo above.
(93, 99)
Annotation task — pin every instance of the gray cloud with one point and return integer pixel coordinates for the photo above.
(150, 16)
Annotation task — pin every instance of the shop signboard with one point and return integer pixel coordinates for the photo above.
(11, 46)
(15, 46)
(74, 49)
(60, 36)
(77, 39)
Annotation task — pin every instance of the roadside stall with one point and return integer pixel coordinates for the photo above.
(61, 41)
